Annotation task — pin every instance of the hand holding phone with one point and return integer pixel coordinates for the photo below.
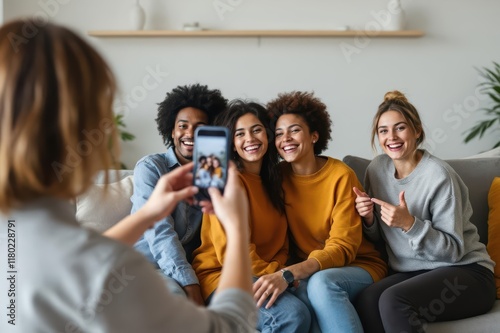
(211, 156)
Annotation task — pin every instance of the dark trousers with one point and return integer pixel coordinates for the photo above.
(402, 302)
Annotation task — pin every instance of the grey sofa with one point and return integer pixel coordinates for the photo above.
(478, 174)
(97, 211)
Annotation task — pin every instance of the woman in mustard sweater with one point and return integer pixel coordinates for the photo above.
(257, 161)
(332, 259)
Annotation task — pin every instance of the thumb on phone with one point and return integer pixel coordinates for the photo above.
(232, 207)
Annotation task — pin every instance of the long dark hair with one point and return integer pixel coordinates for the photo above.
(269, 174)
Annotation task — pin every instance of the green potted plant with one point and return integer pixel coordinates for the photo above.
(124, 134)
(491, 87)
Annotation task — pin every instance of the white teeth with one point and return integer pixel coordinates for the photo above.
(395, 146)
(287, 148)
(188, 143)
(254, 147)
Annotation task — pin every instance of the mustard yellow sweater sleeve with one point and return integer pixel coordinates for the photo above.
(344, 237)
(268, 239)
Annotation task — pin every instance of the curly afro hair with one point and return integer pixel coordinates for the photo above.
(310, 108)
(196, 96)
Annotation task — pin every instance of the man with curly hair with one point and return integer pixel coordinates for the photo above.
(169, 245)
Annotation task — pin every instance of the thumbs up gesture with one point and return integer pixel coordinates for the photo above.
(396, 216)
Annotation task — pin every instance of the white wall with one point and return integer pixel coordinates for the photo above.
(437, 72)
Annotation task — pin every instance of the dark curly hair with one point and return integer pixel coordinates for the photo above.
(197, 96)
(269, 173)
(310, 108)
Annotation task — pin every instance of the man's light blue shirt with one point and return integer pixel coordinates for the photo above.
(170, 243)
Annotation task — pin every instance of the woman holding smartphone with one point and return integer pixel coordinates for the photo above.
(55, 92)
(331, 258)
(256, 157)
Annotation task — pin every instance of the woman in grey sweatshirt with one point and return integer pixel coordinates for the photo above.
(56, 132)
(420, 208)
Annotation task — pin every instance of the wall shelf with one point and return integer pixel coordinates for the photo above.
(254, 33)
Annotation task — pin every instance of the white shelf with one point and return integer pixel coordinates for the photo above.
(255, 33)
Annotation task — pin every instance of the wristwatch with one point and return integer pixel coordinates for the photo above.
(288, 277)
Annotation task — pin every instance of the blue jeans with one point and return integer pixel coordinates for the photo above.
(329, 294)
(288, 314)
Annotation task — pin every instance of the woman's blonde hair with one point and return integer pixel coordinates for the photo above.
(57, 126)
(397, 101)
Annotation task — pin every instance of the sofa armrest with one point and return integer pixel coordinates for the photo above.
(99, 209)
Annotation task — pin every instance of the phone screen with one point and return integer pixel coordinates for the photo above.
(211, 149)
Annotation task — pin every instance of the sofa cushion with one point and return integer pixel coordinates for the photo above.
(485, 323)
(99, 209)
(494, 228)
(477, 174)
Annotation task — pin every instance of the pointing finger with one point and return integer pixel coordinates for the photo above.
(379, 202)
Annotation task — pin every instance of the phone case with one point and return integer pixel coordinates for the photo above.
(211, 158)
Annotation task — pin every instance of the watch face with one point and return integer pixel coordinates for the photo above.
(288, 276)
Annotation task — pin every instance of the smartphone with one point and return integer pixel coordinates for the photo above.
(211, 159)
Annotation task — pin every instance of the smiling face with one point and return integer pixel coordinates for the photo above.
(216, 162)
(396, 137)
(294, 141)
(187, 120)
(250, 142)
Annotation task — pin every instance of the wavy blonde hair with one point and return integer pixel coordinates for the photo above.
(57, 126)
(397, 101)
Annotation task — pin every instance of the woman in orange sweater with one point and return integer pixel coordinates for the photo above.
(257, 161)
(332, 260)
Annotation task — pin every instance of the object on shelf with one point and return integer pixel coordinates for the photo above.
(396, 16)
(137, 16)
(195, 26)
(343, 28)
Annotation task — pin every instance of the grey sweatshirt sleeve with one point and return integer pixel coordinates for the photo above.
(372, 232)
(442, 238)
(143, 304)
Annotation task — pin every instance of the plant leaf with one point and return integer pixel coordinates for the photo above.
(493, 97)
(126, 136)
